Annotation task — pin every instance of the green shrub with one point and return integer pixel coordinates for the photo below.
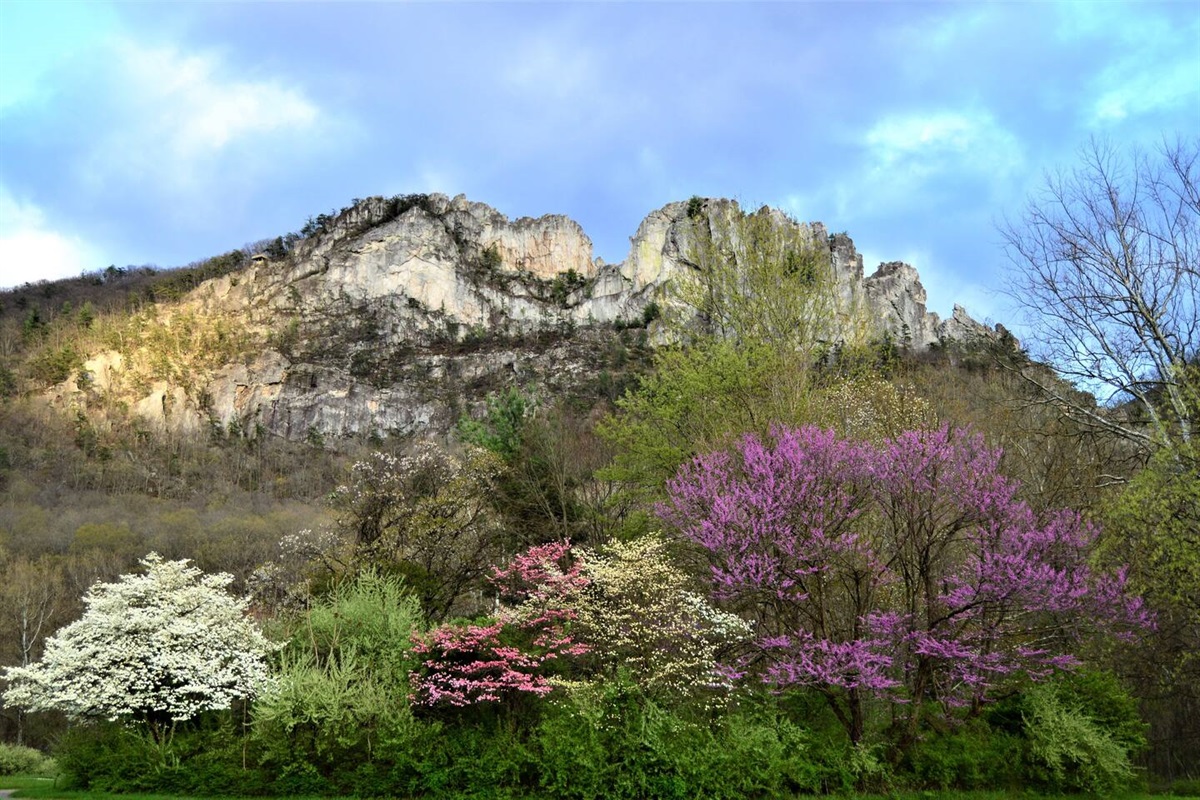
(650, 313)
(1187, 787)
(204, 757)
(8, 382)
(614, 741)
(107, 757)
(342, 687)
(974, 756)
(55, 365)
(18, 760)
(484, 755)
(1068, 749)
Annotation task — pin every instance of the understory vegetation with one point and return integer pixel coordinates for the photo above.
(790, 557)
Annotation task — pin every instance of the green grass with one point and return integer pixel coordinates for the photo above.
(32, 786)
(1002, 795)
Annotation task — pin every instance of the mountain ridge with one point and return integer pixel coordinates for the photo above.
(395, 314)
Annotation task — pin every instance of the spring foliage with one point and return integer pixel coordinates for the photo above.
(467, 664)
(162, 646)
(625, 613)
(906, 570)
(429, 514)
(642, 621)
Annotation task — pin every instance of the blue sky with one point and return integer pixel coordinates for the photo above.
(163, 133)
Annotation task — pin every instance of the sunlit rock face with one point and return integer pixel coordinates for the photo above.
(397, 314)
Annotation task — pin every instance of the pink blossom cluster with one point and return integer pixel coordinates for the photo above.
(467, 664)
(908, 569)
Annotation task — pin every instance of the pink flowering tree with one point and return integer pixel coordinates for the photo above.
(513, 654)
(906, 570)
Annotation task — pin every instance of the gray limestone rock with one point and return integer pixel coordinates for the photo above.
(378, 321)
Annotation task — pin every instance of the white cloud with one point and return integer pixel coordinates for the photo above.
(1138, 90)
(1155, 64)
(912, 161)
(920, 145)
(178, 116)
(31, 250)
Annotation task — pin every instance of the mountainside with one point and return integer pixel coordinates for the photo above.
(396, 314)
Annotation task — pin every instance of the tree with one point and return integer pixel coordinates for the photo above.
(640, 619)
(1108, 267)
(157, 648)
(626, 610)
(509, 655)
(431, 515)
(1154, 526)
(30, 599)
(755, 315)
(906, 570)
(501, 430)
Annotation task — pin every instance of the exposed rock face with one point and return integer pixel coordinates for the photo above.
(897, 298)
(399, 311)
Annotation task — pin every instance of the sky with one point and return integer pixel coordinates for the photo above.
(165, 133)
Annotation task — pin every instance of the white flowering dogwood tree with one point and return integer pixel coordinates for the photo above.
(158, 647)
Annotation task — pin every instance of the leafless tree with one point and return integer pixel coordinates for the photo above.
(1108, 267)
(31, 597)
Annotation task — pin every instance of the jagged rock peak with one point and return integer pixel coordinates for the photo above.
(386, 308)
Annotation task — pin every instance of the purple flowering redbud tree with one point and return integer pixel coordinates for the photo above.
(907, 570)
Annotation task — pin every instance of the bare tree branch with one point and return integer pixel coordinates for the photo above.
(1108, 269)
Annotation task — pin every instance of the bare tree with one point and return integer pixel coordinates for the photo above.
(31, 598)
(1108, 267)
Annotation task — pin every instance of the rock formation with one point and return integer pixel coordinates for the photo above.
(395, 313)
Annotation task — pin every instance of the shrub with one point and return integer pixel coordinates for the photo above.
(106, 756)
(650, 313)
(18, 760)
(55, 365)
(613, 740)
(1068, 748)
(342, 686)
(973, 756)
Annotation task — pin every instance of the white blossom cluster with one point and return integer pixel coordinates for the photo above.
(384, 475)
(872, 409)
(166, 644)
(638, 615)
(309, 544)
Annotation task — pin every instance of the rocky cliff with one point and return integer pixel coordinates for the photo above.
(396, 314)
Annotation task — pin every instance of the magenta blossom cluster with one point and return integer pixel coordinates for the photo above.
(908, 569)
(467, 664)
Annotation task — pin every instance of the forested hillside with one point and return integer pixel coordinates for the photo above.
(727, 521)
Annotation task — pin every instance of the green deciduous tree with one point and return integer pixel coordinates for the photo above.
(1154, 526)
(756, 314)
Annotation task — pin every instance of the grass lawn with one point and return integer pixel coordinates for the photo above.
(32, 786)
